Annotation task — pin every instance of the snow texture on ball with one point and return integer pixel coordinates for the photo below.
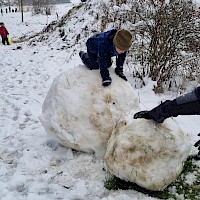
(148, 154)
(81, 113)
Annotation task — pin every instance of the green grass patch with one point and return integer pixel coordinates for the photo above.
(181, 188)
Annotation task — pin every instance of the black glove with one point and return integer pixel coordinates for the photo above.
(157, 117)
(119, 72)
(160, 113)
(142, 114)
(197, 144)
(106, 82)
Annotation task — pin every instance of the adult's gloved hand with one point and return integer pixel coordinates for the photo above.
(106, 82)
(159, 113)
(197, 144)
(142, 114)
(155, 116)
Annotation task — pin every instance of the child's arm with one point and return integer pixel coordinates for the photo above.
(7, 31)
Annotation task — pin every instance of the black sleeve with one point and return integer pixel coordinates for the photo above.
(102, 60)
(120, 59)
(189, 97)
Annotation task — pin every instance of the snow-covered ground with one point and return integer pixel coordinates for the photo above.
(32, 23)
(33, 166)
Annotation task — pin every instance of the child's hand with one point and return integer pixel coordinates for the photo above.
(119, 72)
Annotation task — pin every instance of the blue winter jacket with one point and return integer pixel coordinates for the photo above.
(102, 45)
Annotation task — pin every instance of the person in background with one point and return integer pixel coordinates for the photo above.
(103, 46)
(4, 33)
(188, 104)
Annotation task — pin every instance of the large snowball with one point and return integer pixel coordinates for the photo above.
(147, 154)
(81, 113)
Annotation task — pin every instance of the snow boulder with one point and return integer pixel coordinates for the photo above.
(148, 154)
(81, 113)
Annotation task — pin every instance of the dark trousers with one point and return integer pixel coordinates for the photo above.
(5, 40)
(91, 60)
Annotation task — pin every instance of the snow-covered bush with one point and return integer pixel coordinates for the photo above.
(167, 45)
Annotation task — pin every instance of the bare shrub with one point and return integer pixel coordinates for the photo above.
(168, 42)
(166, 38)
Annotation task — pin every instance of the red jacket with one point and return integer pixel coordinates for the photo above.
(3, 31)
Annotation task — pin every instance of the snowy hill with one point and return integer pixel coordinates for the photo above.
(82, 21)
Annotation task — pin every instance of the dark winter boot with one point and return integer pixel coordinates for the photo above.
(81, 53)
(83, 56)
(106, 81)
(88, 61)
(119, 72)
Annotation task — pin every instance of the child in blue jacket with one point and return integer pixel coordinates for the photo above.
(103, 46)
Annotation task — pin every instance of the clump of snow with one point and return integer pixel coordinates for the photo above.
(191, 178)
(145, 153)
(81, 113)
